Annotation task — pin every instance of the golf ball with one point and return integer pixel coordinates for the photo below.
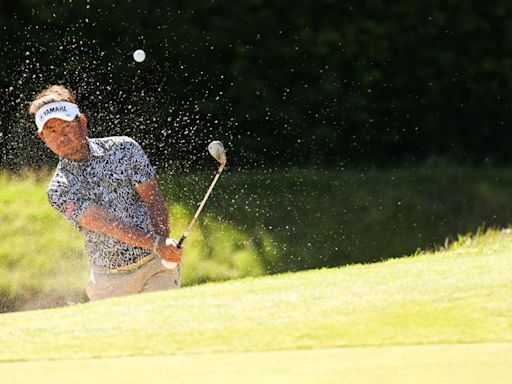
(139, 55)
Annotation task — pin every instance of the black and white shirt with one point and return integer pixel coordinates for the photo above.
(107, 179)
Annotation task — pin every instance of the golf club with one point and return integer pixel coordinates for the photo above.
(216, 149)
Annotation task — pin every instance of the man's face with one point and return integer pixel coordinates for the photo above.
(66, 138)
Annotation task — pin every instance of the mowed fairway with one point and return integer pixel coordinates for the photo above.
(442, 317)
(403, 364)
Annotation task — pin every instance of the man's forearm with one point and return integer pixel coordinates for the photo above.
(159, 216)
(154, 201)
(99, 220)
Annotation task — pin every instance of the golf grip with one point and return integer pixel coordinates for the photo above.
(191, 224)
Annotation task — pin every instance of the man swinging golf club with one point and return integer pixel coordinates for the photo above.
(108, 190)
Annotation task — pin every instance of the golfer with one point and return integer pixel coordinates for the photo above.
(108, 190)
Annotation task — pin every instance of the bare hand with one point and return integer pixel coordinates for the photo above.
(168, 250)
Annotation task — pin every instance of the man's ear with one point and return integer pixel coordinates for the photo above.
(83, 123)
(41, 135)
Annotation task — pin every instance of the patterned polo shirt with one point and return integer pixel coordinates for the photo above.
(107, 179)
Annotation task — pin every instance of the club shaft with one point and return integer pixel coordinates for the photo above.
(191, 224)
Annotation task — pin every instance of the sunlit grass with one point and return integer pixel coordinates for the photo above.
(39, 251)
(441, 317)
(419, 364)
(457, 296)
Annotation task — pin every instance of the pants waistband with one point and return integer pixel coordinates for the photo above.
(127, 268)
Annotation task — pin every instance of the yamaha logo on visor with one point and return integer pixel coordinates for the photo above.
(59, 110)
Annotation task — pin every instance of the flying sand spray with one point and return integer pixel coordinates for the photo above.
(216, 149)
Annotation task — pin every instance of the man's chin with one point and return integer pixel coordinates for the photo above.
(70, 153)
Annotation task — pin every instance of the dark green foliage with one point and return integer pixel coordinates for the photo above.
(285, 82)
(315, 218)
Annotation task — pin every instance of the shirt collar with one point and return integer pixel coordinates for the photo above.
(94, 149)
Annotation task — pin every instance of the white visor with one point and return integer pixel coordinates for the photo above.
(59, 110)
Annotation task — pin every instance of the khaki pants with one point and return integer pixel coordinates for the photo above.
(152, 276)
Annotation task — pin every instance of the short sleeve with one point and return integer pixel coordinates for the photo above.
(142, 169)
(69, 204)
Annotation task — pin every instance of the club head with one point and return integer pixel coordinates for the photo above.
(216, 149)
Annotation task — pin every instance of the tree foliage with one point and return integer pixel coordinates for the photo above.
(325, 82)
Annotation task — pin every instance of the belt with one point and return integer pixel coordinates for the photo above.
(130, 267)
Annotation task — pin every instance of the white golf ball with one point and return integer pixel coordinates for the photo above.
(139, 55)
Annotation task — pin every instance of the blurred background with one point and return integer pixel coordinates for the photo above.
(356, 130)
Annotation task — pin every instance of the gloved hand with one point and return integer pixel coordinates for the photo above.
(169, 253)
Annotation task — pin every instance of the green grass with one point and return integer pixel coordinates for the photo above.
(39, 253)
(421, 364)
(256, 223)
(444, 316)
